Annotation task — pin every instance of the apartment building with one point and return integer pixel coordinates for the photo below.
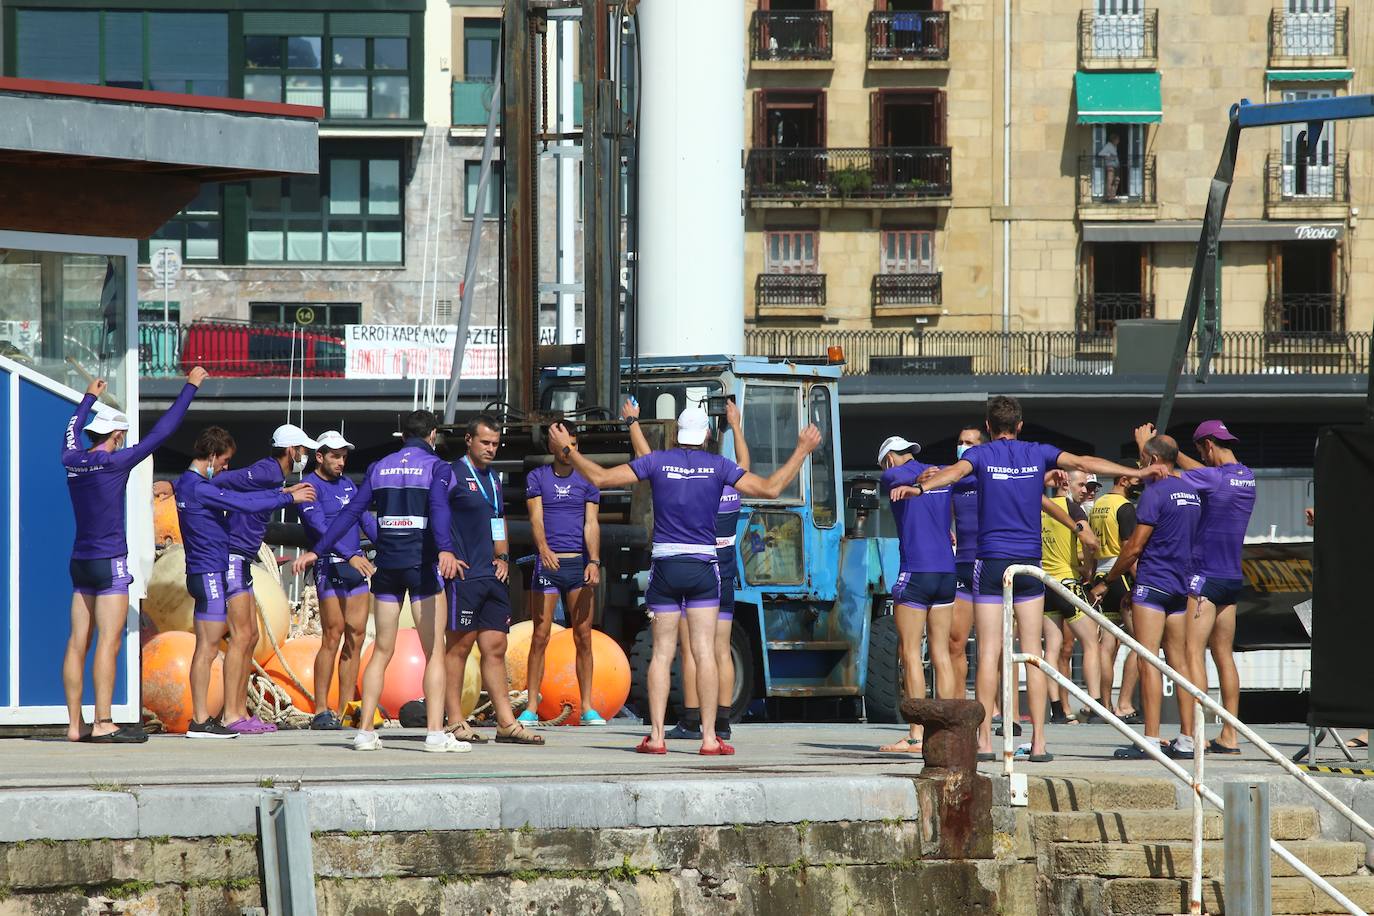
(880, 194)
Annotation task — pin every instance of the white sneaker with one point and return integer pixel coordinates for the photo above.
(454, 746)
(367, 741)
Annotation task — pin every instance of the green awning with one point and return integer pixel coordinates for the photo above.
(1118, 98)
(1308, 76)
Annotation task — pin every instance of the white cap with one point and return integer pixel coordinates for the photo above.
(288, 435)
(106, 420)
(1092, 481)
(332, 439)
(896, 444)
(692, 426)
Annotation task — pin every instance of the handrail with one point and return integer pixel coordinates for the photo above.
(1200, 791)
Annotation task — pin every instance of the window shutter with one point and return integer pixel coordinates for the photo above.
(875, 119)
(939, 115)
(761, 138)
(820, 119)
(283, 23)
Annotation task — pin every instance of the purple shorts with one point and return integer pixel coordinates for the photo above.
(1157, 599)
(677, 583)
(208, 591)
(568, 577)
(338, 580)
(239, 578)
(101, 577)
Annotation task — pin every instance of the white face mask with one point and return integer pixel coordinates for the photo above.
(298, 465)
(960, 449)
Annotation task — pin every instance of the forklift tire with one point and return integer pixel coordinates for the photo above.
(742, 650)
(883, 689)
(641, 653)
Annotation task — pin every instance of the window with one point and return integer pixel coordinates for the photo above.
(168, 52)
(472, 173)
(824, 506)
(196, 231)
(908, 251)
(790, 252)
(1320, 180)
(1118, 162)
(367, 78)
(770, 415)
(772, 549)
(481, 49)
(320, 314)
(349, 213)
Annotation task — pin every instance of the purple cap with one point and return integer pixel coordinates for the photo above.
(1213, 429)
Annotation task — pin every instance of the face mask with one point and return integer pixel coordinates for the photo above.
(960, 449)
(298, 465)
(1135, 491)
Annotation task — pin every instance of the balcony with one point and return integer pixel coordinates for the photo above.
(240, 349)
(820, 177)
(1117, 189)
(1299, 40)
(907, 39)
(1319, 191)
(1098, 313)
(1052, 353)
(1304, 315)
(789, 295)
(791, 38)
(903, 295)
(1118, 42)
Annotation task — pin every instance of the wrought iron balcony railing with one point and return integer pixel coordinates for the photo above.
(1098, 313)
(1128, 180)
(795, 290)
(884, 173)
(1304, 314)
(896, 35)
(1289, 182)
(906, 289)
(1122, 36)
(1309, 35)
(791, 35)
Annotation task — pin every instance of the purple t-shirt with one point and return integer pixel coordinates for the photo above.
(922, 522)
(564, 500)
(965, 499)
(1228, 498)
(1173, 508)
(1011, 479)
(687, 484)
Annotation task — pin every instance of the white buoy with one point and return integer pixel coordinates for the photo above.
(691, 268)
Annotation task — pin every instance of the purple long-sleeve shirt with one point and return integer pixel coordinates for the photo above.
(98, 480)
(331, 496)
(246, 528)
(203, 508)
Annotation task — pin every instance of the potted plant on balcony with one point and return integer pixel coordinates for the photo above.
(852, 180)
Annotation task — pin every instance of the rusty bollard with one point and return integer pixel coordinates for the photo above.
(951, 732)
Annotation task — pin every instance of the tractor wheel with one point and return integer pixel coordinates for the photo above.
(883, 689)
(742, 652)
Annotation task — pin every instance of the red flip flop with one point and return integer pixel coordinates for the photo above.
(722, 750)
(646, 748)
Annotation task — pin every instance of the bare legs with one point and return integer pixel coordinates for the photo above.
(701, 632)
(208, 635)
(961, 625)
(431, 622)
(579, 606)
(343, 624)
(106, 614)
(387, 619)
(238, 657)
(1030, 616)
(911, 627)
(938, 623)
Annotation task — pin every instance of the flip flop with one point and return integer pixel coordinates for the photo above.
(1134, 718)
(645, 747)
(986, 756)
(721, 750)
(1216, 747)
(1041, 758)
(1354, 744)
(912, 747)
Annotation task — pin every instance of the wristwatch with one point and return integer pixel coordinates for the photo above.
(567, 451)
(1078, 525)
(503, 557)
(922, 488)
(594, 562)
(630, 421)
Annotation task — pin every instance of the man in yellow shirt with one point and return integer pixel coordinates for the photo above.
(1061, 558)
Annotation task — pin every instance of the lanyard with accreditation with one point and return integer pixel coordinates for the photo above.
(498, 524)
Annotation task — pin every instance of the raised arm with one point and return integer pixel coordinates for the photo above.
(934, 479)
(618, 477)
(638, 441)
(732, 417)
(1145, 432)
(1093, 465)
(771, 487)
(71, 439)
(166, 424)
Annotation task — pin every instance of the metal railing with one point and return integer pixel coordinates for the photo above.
(1124, 180)
(1295, 317)
(1150, 746)
(913, 35)
(1124, 36)
(791, 35)
(1098, 313)
(790, 290)
(240, 349)
(1308, 35)
(1325, 182)
(883, 173)
(907, 289)
(886, 351)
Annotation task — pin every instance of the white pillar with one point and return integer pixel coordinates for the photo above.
(691, 270)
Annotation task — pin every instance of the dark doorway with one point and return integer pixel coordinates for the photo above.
(909, 118)
(1306, 300)
(789, 120)
(1116, 287)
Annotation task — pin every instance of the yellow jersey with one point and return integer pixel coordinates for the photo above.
(1059, 545)
(1106, 525)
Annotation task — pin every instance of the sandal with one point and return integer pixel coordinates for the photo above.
(909, 747)
(1216, 747)
(644, 747)
(515, 733)
(465, 732)
(720, 750)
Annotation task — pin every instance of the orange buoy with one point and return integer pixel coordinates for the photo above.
(405, 676)
(518, 653)
(610, 676)
(166, 676)
(300, 653)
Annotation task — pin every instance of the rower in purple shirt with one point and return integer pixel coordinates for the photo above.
(290, 445)
(563, 507)
(1010, 475)
(98, 481)
(1161, 546)
(342, 589)
(964, 501)
(687, 483)
(203, 509)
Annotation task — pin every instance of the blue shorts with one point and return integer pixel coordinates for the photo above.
(923, 590)
(209, 593)
(963, 581)
(1157, 599)
(1221, 592)
(239, 579)
(420, 582)
(478, 604)
(338, 580)
(987, 580)
(676, 583)
(729, 581)
(568, 577)
(101, 577)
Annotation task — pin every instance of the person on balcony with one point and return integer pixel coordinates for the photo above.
(1109, 160)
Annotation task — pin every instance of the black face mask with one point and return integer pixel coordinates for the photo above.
(1133, 492)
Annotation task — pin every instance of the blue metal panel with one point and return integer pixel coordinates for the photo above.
(1269, 114)
(6, 463)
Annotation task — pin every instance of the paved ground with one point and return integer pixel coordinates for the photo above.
(579, 754)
